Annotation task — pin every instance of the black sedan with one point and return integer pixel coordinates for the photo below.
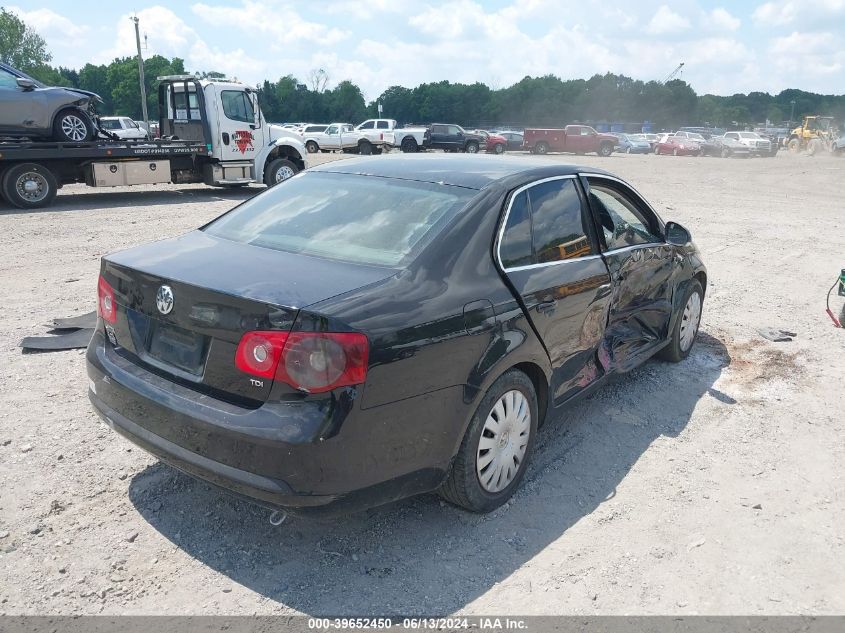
(377, 328)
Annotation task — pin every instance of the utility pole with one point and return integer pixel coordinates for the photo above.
(141, 72)
(792, 114)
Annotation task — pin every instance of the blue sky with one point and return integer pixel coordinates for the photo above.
(726, 47)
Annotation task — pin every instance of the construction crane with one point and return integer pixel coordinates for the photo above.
(674, 73)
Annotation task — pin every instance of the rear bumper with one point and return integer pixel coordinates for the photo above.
(278, 455)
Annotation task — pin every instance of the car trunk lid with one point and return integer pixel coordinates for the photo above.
(184, 304)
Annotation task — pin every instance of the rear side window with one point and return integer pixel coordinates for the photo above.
(559, 224)
(381, 125)
(352, 218)
(515, 249)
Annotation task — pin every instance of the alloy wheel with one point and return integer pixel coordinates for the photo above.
(690, 320)
(73, 127)
(503, 441)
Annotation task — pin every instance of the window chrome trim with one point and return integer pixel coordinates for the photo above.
(501, 231)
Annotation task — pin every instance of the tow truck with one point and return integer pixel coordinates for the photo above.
(212, 132)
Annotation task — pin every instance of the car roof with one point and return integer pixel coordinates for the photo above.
(462, 170)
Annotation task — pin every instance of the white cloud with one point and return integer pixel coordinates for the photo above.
(170, 36)
(722, 19)
(788, 12)
(50, 24)
(811, 55)
(666, 21)
(61, 34)
(277, 19)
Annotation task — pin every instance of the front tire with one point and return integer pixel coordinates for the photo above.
(686, 325)
(499, 148)
(72, 125)
(312, 147)
(279, 170)
(497, 446)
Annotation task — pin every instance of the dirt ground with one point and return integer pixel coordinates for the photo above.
(713, 486)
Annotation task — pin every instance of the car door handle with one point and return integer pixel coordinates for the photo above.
(546, 307)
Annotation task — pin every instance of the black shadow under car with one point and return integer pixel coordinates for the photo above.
(377, 328)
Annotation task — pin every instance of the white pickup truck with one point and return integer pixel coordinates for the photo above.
(367, 138)
(408, 139)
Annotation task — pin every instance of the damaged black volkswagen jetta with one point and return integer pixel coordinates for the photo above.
(377, 328)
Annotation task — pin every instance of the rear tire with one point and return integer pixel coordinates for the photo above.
(72, 125)
(365, 148)
(495, 434)
(29, 186)
(471, 148)
(725, 152)
(409, 145)
(605, 150)
(279, 170)
(682, 339)
(541, 148)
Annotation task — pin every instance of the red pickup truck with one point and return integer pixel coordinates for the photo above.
(577, 139)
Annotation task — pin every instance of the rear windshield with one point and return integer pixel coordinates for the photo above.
(351, 218)
(110, 124)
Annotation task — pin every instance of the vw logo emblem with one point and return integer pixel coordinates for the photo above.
(164, 299)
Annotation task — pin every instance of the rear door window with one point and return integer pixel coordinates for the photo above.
(559, 223)
(382, 125)
(546, 224)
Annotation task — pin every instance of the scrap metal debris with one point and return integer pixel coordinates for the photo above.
(66, 333)
(778, 336)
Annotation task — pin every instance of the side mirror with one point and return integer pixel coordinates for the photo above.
(26, 84)
(677, 235)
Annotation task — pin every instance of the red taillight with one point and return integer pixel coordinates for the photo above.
(310, 361)
(259, 353)
(106, 307)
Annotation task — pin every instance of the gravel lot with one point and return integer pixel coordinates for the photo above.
(714, 486)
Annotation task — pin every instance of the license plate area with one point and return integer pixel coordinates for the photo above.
(181, 348)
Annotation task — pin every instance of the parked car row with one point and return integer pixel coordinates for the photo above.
(687, 143)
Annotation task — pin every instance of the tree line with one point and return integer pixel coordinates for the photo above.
(532, 101)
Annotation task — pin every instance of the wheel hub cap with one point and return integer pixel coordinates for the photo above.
(32, 187)
(283, 174)
(690, 320)
(503, 441)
